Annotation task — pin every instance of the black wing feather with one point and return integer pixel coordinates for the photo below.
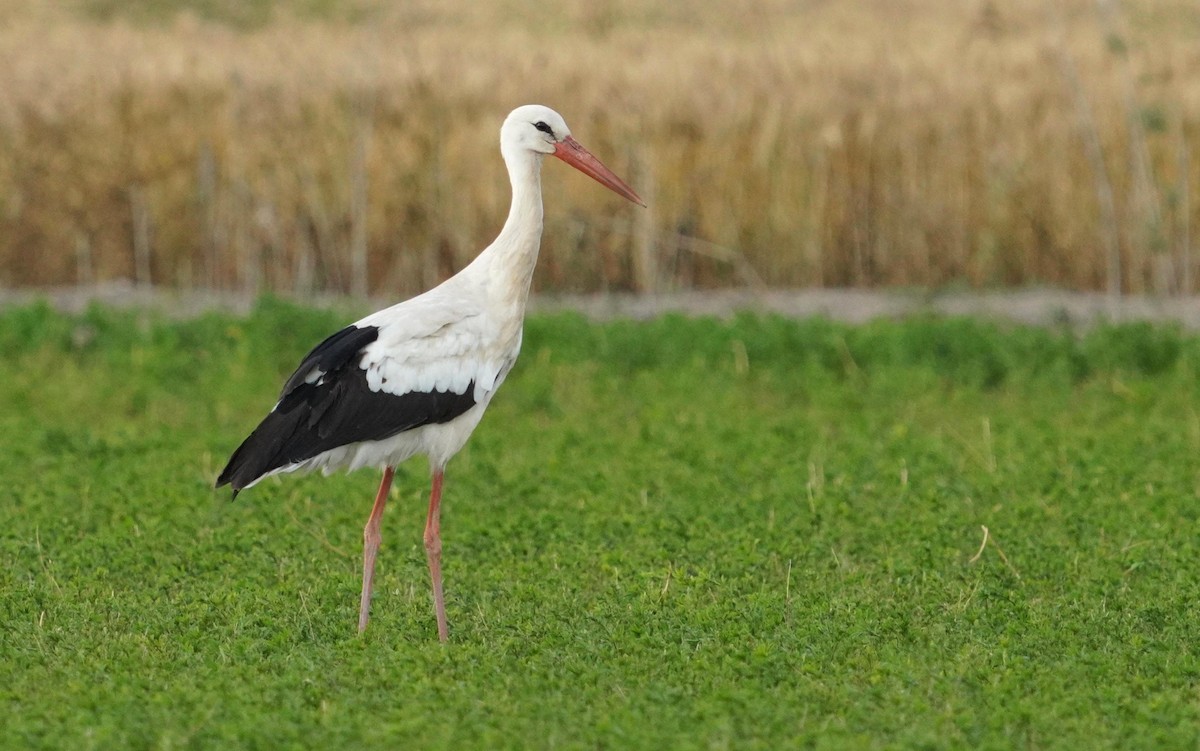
(334, 410)
(337, 351)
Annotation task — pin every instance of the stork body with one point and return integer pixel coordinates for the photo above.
(416, 378)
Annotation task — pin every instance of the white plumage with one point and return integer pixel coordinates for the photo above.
(415, 378)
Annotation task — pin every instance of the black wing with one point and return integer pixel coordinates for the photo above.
(327, 403)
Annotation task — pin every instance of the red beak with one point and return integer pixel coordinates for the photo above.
(581, 159)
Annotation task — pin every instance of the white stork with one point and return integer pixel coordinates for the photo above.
(415, 378)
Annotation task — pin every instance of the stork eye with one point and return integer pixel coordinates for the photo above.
(543, 127)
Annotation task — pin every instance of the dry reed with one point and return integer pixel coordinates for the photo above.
(815, 144)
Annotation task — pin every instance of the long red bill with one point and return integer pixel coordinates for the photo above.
(570, 151)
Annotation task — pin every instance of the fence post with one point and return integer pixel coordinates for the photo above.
(141, 236)
(645, 249)
(359, 286)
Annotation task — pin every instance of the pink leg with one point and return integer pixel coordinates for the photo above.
(371, 538)
(433, 549)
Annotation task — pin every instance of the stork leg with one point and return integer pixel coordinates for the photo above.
(371, 538)
(433, 550)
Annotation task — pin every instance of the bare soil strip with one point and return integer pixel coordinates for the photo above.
(1040, 307)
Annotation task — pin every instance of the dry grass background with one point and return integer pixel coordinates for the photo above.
(351, 146)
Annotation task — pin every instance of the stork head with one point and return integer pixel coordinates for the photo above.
(534, 129)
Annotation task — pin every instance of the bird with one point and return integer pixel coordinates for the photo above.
(415, 378)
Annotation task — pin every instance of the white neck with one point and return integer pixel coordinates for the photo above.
(507, 264)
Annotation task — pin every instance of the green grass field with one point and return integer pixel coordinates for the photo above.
(676, 534)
